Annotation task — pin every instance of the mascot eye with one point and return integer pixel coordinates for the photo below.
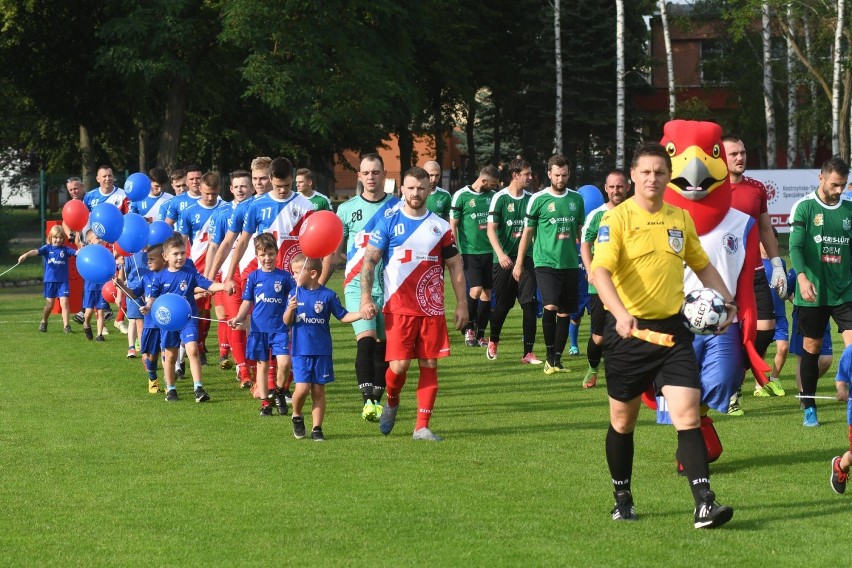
(716, 150)
(670, 148)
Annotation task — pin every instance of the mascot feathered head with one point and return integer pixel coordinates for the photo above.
(699, 171)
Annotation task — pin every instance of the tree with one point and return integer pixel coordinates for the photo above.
(768, 89)
(667, 39)
(619, 81)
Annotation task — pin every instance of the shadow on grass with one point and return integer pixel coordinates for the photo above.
(772, 460)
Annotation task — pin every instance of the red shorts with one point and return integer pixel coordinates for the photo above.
(416, 337)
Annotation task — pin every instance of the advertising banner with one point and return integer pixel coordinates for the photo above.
(784, 188)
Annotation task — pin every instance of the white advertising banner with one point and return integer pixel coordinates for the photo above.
(784, 188)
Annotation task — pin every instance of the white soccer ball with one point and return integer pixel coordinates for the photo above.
(704, 311)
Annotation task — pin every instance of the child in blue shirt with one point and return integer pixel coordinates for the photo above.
(265, 294)
(309, 309)
(149, 343)
(840, 464)
(179, 278)
(93, 300)
(133, 268)
(56, 256)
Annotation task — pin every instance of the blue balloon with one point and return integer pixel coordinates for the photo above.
(159, 231)
(134, 235)
(96, 264)
(137, 187)
(592, 198)
(106, 222)
(171, 312)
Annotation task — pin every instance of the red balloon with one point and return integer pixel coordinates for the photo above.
(75, 214)
(321, 234)
(108, 291)
(121, 251)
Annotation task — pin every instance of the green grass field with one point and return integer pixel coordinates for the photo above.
(95, 471)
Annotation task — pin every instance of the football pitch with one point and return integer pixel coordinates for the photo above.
(95, 471)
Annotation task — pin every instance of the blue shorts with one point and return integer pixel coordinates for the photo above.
(313, 369)
(782, 329)
(583, 306)
(93, 299)
(150, 342)
(259, 344)
(133, 310)
(173, 339)
(56, 289)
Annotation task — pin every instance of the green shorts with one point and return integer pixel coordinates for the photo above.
(352, 297)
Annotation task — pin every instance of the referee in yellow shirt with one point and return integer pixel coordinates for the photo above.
(640, 252)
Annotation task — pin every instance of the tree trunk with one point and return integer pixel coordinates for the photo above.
(87, 155)
(768, 88)
(835, 84)
(667, 38)
(619, 84)
(557, 32)
(812, 88)
(172, 123)
(792, 104)
(143, 146)
(495, 155)
(471, 142)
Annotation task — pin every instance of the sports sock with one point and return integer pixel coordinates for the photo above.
(482, 317)
(427, 391)
(809, 371)
(573, 332)
(196, 384)
(151, 367)
(237, 341)
(594, 353)
(529, 323)
(498, 318)
(394, 386)
(365, 366)
(548, 329)
(762, 340)
(381, 367)
(472, 310)
(561, 337)
(693, 455)
(222, 335)
(619, 458)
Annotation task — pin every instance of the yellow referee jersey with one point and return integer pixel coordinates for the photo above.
(645, 253)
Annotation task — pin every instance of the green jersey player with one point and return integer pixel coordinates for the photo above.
(439, 199)
(305, 186)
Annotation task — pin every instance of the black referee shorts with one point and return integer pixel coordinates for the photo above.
(632, 365)
(763, 296)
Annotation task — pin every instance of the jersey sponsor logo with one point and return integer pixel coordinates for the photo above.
(302, 317)
(818, 220)
(603, 234)
(318, 306)
(676, 240)
(430, 291)
(831, 258)
(730, 243)
(262, 298)
(831, 240)
(57, 261)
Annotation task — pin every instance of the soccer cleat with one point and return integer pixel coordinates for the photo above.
(201, 395)
(298, 427)
(591, 379)
(100, 339)
(316, 434)
(388, 419)
(369, 411)
(470, 338)
(225, 364)
(761, 392)
(106, 331)
(180, 370)
(624, 509)
(266, 410)
(288, 396)
(42, 327)
(68, 329)
(774, 388)
(573, 350)
(88, 331)
(810, 418)
(280, 402)
(246, 383)
(131, 353)
(550, 369)
(491, 352)
(482, 342)
(560, 368)
(203, 357)
(531, 359)
(379, 409)
(710, 514)
(108, 314)
(838, 476)
(426, 435)
(153, 386)
(171, 395)
(734, 408)
(78, 317)
(121, 326)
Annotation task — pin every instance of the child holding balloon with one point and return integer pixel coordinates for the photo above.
(149, 344)
(179, 279)
(93, 301)
(56, 256)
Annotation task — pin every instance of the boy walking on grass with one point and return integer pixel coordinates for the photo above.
(149, 343)
(309, 308)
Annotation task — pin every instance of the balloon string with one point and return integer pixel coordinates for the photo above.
(208, 319)
(11, 269)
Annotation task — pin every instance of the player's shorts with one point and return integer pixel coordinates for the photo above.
(505, 285)
(583, 306)
(477, 270)
(597, 314)
(812, 320)
(133, 309)
(416, 337)
(173, 339)
(763, 296)
(352, 299)
(796, 341)
(93, 299)
(259, 344)
(149, 343)
(558, 287)
(782, 329)
(632, 365)
(56, 289)
(313, 369)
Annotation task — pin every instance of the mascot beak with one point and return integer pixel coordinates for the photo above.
(695, 174)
